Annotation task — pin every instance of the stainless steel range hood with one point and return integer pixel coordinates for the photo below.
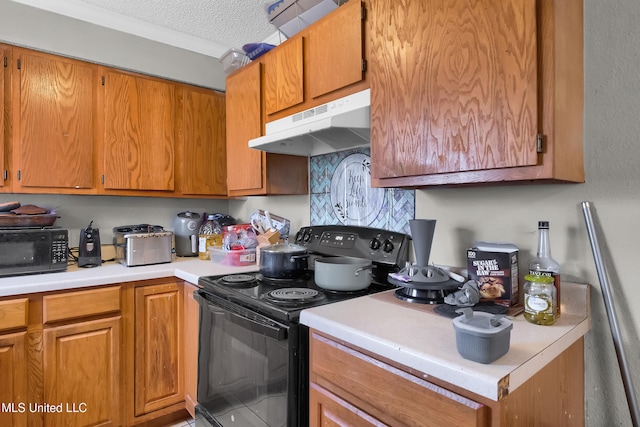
(334, 126)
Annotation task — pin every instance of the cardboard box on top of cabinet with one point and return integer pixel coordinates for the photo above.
(291, 16)
(495, 267)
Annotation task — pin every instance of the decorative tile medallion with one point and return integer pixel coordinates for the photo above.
(341, 193)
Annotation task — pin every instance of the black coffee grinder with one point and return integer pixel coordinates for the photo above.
(89, 253)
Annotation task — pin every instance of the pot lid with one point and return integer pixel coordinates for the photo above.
(283, 248)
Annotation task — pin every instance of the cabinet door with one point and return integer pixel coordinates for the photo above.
(82, 373)
(13, 372)
(158, 347)
(283, 73)
(453, 86)
(363, 382)
(245, 166)
(328, 410)
(191, 319)
(53, 110)
(336, 50)
(139, 132)
(202, 142)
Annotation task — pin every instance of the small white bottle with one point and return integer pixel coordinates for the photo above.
(543, 264)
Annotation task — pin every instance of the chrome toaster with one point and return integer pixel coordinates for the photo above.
(142, 244)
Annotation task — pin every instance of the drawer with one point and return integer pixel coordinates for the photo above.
(14, 313)
(393, 396)
(72, 305)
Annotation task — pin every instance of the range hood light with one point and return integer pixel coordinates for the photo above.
(336, 126)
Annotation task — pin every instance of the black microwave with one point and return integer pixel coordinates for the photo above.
(33, 250)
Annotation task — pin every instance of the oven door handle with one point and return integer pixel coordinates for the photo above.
(258, 324)
(245, 318)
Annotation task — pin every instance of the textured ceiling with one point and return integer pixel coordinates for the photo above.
(205, 26)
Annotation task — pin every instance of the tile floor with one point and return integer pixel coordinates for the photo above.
(189, 422)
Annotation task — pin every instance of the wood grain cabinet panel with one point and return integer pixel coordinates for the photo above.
(139, 132)
(283, 76)
(336, 50)
(364, 383)
(53, 109)
(460, 91)
(82, 372)
(191, 320)
(14, 313)
(158, 347)
(201, 125)
(13, 379)
(77, 304)
(245, 171)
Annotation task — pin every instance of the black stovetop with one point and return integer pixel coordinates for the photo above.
(260, 294)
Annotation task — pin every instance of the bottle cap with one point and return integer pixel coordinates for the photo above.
(543, 224)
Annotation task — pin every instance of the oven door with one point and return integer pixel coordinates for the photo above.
(248, 367)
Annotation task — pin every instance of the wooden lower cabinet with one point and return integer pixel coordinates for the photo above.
(190, 371)
(82, 372)
(349, 387)
(158, 347)
(103, 356)
(13, 379)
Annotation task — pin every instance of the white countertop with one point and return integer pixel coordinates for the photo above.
(188, 269)
(412, 335)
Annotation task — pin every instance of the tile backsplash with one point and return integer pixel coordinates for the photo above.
(341, 193)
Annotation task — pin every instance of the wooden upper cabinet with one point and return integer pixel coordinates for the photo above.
(336, 50)
(244, 122)
(201, 128)
(53, 109)
(283, 75)
(472, 68)
(459, 94)
(139, 132)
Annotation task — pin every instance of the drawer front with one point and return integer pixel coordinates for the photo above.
(73, 305)
(14, 313)
(388, 393)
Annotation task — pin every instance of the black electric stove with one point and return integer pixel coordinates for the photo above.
(280, 299)
(253, 352)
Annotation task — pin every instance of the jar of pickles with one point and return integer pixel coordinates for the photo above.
(540, 299)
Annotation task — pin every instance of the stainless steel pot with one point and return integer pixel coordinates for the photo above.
(283, 261)
(343, 273)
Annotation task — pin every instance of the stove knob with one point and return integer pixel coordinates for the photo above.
(307, 237)
(374, 244)
(299, 235)
(388, 246)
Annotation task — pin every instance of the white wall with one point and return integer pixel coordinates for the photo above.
(505, 213)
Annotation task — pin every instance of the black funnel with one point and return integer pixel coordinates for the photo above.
(422, 234)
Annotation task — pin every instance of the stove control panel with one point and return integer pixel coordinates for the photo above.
(378, 245)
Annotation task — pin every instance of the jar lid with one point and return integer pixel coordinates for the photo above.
(538, 278)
